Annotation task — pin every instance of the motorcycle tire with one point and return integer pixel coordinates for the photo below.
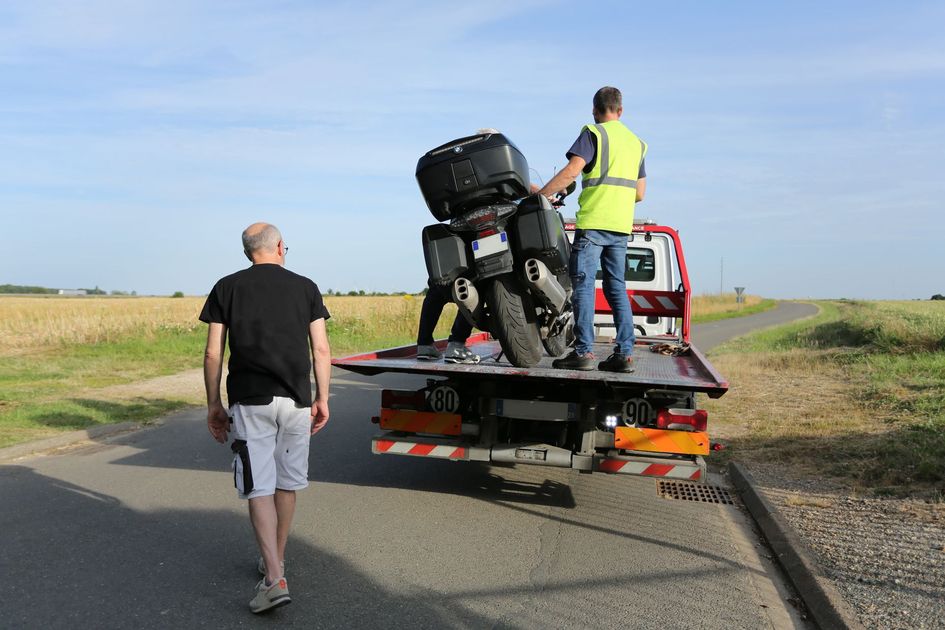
(509, 306)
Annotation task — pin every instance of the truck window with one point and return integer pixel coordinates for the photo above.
(641, 265)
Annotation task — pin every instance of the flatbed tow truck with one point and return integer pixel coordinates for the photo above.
(642, 423)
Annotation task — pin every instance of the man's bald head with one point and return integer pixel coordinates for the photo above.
(261, 239)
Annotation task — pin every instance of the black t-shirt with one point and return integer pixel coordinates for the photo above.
(267, 310)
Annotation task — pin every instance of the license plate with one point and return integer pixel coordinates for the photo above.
(490, 245)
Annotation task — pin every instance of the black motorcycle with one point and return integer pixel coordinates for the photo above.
(504, 253)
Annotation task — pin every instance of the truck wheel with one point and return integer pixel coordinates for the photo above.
(512, 312)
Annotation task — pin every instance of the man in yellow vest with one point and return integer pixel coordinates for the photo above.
(610, 157)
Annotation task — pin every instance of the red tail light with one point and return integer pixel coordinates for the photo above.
(682, 419)
(401, 399)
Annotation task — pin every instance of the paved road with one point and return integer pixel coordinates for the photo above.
(142, 531)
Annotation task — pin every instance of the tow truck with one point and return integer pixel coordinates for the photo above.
(646, 422)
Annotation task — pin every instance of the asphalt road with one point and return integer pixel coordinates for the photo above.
(144, 530)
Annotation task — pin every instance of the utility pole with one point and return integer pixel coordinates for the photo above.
(721, 275)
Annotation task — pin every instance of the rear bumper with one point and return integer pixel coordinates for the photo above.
(683, 467)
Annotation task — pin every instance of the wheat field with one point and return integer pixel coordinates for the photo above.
(33, 323)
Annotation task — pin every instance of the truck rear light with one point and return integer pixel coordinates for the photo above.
(401, 399)
(682, 419)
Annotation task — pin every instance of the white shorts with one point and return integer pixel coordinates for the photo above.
(275, 454)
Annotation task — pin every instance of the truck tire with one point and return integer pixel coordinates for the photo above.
(513, 312)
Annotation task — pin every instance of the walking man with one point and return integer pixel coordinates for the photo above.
(275, 320)
(610, 157)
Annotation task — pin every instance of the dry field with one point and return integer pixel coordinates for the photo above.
(34, 323)
(856, 394)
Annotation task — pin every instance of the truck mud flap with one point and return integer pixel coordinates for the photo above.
(388, 444)
(693, 469)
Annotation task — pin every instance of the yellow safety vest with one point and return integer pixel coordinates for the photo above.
(609, 190)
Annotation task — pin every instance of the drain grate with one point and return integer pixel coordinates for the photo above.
(698, 492)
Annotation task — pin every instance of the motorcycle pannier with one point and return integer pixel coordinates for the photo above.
(445, 254)
(539, 233)
(471, 171)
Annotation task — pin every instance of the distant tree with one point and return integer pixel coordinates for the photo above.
(352, 293)
(95, 291)
(938, 296)
(17, 288)
(361, 292)
(178, 294)
(134, 293)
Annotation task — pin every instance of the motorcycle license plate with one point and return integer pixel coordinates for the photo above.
(490, 245)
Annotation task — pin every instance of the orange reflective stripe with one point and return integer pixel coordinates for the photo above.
(662, 441)
(421, 421)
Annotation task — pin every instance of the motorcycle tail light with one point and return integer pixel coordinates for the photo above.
(482, 218)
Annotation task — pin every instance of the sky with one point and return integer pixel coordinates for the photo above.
(796, 146)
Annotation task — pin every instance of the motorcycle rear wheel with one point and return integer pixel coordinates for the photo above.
(510, 306)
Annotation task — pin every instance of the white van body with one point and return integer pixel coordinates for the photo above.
(651, 266)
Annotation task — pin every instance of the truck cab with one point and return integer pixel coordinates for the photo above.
(651, 266)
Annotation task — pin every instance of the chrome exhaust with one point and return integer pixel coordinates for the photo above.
(546, 286)
(467, 300)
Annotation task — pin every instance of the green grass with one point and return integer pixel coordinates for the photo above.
(887, 434)
(60, 389)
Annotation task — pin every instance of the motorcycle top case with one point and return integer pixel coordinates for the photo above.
(470, 172)
(444, 253)
(539, 233)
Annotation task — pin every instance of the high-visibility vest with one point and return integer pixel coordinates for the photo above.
(609, 190)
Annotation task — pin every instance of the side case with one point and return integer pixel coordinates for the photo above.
(539, 233)
(444, 253)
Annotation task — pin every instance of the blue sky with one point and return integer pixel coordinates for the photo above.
(801, 142)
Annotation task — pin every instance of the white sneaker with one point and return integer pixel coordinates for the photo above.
(271, 596)
(458, 353)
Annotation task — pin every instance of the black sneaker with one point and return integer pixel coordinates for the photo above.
(616, 363)
(575, 361)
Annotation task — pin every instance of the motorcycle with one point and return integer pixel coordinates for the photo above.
(503, 255)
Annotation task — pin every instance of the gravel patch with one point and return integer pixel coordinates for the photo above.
(885, 556)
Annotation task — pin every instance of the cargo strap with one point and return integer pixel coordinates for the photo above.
(671, 349)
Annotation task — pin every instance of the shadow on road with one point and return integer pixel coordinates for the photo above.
(77, 558)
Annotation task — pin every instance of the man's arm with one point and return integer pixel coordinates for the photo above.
(641, 188)
(321, 360)
(218, 421)
(564, 177)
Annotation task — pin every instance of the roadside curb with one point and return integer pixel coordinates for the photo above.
(826, 606)
(67, 439)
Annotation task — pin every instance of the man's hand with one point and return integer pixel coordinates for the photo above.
(319, 415)
(218, 421)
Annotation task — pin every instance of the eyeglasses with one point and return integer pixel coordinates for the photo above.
(285, 248)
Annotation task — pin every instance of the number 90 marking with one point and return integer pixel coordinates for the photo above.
(637, 411)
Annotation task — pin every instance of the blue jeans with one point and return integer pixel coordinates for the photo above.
(591, 247)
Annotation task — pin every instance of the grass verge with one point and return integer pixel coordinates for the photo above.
(855, 394)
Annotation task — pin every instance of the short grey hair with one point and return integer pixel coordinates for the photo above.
(265, 238)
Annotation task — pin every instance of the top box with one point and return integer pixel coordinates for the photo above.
(471, 172)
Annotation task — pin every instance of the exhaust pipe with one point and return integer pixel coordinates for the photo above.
(546, 286)
(467, 300)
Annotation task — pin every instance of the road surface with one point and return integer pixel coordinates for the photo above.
(143, 530)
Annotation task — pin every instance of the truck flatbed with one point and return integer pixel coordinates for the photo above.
(689, 372)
